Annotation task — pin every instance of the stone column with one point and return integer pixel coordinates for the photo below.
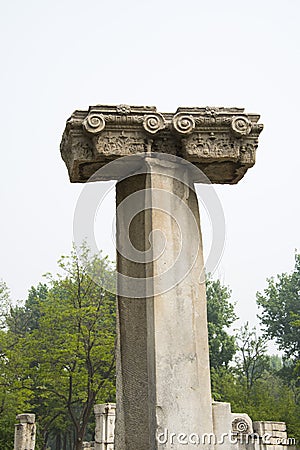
(105, 415)
(163, 381)
(25, 432)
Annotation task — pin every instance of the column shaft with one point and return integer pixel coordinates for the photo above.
(163, 380)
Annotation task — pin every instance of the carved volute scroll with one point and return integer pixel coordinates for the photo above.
(154, 123)
(94, 123)
(183, 123)
(241, 424)
(222, 142)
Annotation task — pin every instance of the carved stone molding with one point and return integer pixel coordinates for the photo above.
(222, 142)
(123, 144)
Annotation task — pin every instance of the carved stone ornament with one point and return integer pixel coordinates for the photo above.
(94, 123)
(241, 126)
(119, 144)
(241, 424)
(123, 109)
(183, 123)
(220, 141)
(153, 123)
(211, 146)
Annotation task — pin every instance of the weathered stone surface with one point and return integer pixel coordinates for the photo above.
(232, 431)
(221, 142)
(26, 418)
(163, 379)
(262, 427)
(105, 415)
(25, 432)
(222, 419)
(88, 446)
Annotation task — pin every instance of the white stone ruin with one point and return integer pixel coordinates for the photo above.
(245, 434)
(105, 426)
(25, 432)
(163, 376)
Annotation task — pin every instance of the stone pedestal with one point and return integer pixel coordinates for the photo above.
(232, 431)
(25, 432)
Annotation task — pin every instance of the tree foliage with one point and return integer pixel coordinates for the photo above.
(252, 360)
(220, 316)
(60, 347)
(73, 343)
(255, 385)
(57, 352)
(4, 303)
(280, 311)
(15, 389)
(280, 316)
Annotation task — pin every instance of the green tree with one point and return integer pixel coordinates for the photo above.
(57, 351)
(280, 311)
(220, 316)
(255, 385)
(280, 316)
(5, 303)
(15, 389)
(70, 343)
(252, 360)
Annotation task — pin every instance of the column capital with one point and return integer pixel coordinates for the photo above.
(26, 418)
(220, 141)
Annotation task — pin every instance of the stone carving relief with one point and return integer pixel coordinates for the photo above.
(123, 119)
(211, 146)
(120, 144)
(165, 145)
(83, 148)
(123, 109)
(212, 119)
(247, 153)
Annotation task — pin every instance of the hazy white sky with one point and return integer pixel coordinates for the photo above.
(58, 56)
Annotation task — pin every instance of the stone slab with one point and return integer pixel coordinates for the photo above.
(262, 427)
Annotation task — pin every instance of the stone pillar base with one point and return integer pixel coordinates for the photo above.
(232, 431)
